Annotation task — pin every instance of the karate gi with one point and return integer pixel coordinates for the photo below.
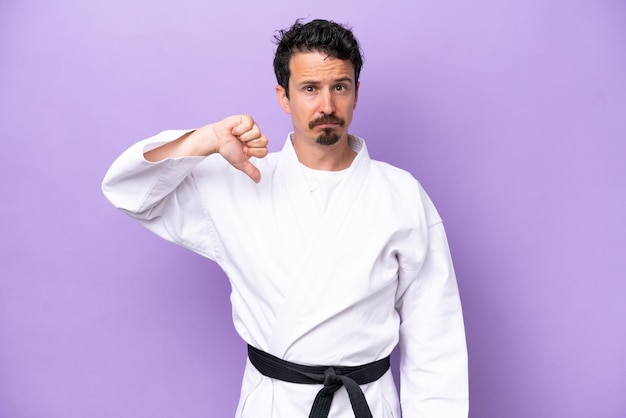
(342, 286)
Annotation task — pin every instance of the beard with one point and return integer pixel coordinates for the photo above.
(328, 135)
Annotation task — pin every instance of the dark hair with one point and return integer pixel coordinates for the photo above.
(317, 35)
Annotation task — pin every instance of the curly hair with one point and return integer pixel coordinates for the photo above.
(318, 35)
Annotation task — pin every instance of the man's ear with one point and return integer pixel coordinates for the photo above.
(283, 100)
(356, 94)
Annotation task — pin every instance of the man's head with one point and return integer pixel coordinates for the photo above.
(318, 35)
(317, 66)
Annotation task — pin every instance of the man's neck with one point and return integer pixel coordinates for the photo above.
(334, 157)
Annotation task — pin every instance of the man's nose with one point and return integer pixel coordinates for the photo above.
(327, 105)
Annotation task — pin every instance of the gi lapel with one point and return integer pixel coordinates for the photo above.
(316, 238)
(301, 202)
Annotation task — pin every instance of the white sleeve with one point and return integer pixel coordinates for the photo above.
(433, 352)
(158, 194)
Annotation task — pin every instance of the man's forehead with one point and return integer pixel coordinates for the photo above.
(310, 62)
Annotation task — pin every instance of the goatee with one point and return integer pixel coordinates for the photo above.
(328, 137)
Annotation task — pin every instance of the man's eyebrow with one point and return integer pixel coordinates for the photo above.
(345, 79)
(309, 82)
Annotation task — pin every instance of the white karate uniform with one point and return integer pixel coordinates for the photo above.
(338, 284)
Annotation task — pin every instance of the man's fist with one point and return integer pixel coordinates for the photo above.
(237, 138)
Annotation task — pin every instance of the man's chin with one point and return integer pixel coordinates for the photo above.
(328, 137)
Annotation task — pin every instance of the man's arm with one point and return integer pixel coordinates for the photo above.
(153, 180)
(433, 353)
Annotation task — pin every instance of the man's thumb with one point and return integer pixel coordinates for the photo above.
(250, 170)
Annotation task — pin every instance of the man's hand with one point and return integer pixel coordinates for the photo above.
(237, 139)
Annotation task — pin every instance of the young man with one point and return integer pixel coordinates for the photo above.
(334, 258)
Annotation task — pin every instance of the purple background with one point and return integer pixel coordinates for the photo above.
(512, 114)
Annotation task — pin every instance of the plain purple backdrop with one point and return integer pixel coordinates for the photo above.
(512, 114)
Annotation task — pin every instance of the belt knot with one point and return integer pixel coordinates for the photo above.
(332, 382)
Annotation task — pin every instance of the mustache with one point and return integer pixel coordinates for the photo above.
(326, 119)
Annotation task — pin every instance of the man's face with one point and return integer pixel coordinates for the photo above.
(322, 97)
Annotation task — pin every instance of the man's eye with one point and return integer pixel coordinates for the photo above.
(309, 89)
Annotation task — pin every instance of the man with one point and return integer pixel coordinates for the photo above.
(334, 258)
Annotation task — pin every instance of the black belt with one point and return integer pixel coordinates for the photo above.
(332, 378)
